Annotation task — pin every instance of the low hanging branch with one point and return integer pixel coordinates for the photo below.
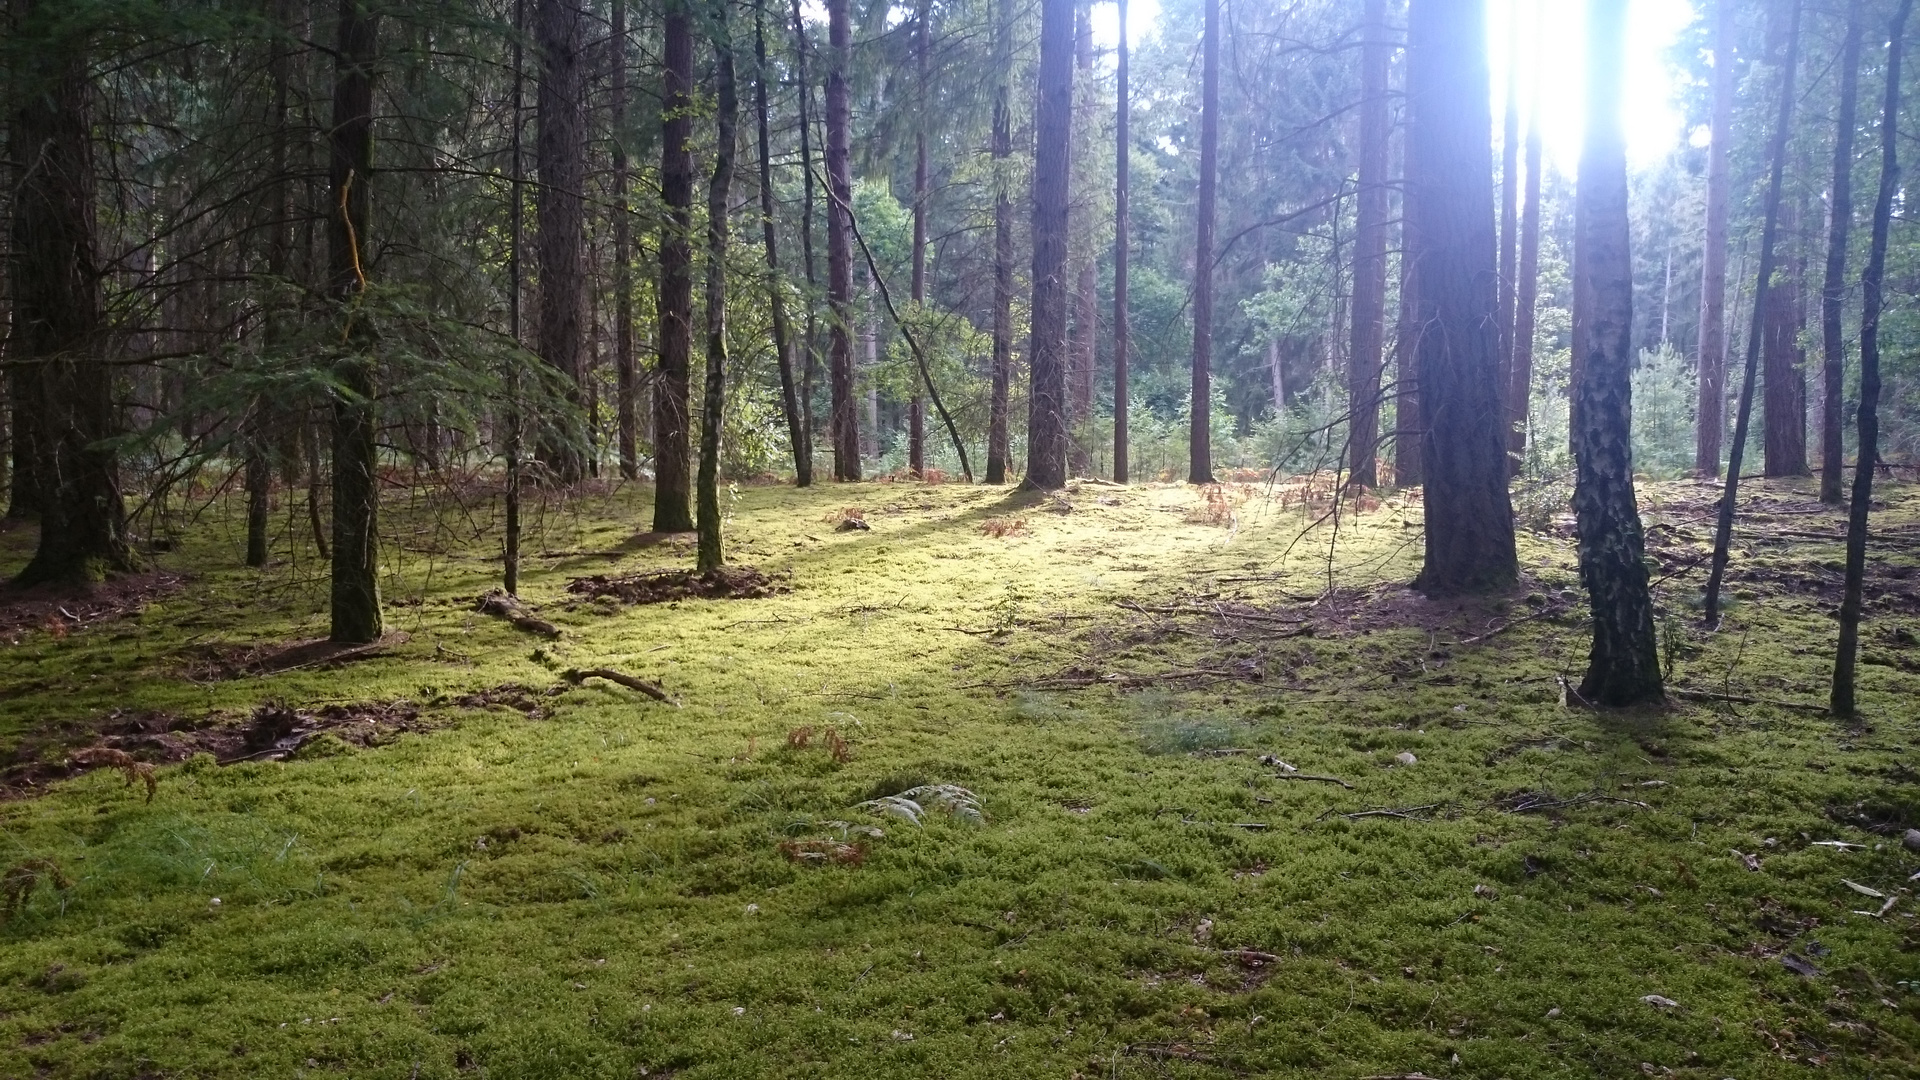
(913, 343)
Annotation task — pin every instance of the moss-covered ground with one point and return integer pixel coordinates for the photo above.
(600, 888)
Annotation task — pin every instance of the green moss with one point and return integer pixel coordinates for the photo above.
(600, 887)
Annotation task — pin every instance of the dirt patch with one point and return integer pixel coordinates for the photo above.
(62, 609)
(220, 661)
(725, 583)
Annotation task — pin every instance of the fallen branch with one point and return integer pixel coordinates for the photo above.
(576, 676)
(501, 606)
(1406, 812)
(1311, 776)
(1544, 613)
(1709, 695)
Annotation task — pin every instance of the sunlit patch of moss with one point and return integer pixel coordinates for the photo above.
(603, 889)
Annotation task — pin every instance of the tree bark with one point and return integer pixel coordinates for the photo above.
(1450, 226)
(1623, 666)
(1408, 468)
(1200, 430)
(516, 221)
(560, 158)
(916, 404)
(356, 615)
(1783, 405)
(1002, 374)
(1369, 252)
(776, 288)
(1777, 155)
(846, 422)
(63, 383)
(1047, 346)
(811, 364)
(1833, 294)
(626, 377)
(671, 421)
(1509, 212)
(1842, 701)
(712, 410)
(1711, 415)
(1082, 348)
(1526, 297)
(1121, 153)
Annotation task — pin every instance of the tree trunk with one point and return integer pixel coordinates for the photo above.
(1450, 235)
(1200, 430)
(1509, 213)
(1082, 348)
(776, 289)
(846, 423)
(356, 479)
(805, 95)
(1526, 296)
(1783, 406)
(1833, 294)
(1711, 417)
(712, 410)
(671, 512)
(1121, 152)
(63, 382)
(560, 158)
(1370, 252)
(1002, 373)
(916, 404)
(516, 215)
(626, 378)
(1842, 703)
(1777, 155)
(1623, 667)
(1047, 346)
(263, 425)
(1407, 431)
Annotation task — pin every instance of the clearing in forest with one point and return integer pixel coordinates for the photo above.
(1119, 782)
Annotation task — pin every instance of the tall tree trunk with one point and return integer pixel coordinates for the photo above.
(1783, 405)
(1450, 235)
(1711, 415)
(1082, 348)
(516, 221)
(1842, 702)
(356, 478)
(63, 381)
(1121, 153)
(1200, 430)
(1777, 155)
(712, 410)
(1408, 470)
(1047, 346)
(916, 404)
(1833, 294)
(846, 423)
(1526, 295)
(1509, 211)
(560, 157)
(671, 421)
(264, 416)
(626, 377)
(1369, 252)
(776, 288)
(1623, 666)
(805, 95)
(1002, 374)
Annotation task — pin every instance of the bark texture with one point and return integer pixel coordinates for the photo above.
(1047, 346)
(560, 158)
(1623, 666)
(1526, 297)
(625, 376)
(1710, 421)
(1001, 377)
(776, 288)
(1784, 402)
(846, 423)
(1833, 292)
(1086, 319)
(1450, 236)
(713, 402)
(1369, 331)
(1121, 152)
(1200, 431)
(674, 298)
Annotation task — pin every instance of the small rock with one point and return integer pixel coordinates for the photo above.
(739, 1010)
(1485, 892)
(854, 524)
(1204, 930)
(1912, 840)
(1405, 757)
(1659, 1002)
(1553, 1013)
(753, 909)
(902, 1036)
(215, 902)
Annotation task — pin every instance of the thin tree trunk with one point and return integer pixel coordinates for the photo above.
(626, 377)
(1783, 403)
(1407, 430)
(1711, 416)
(1450, 226)
(1833, 295)
(1623, 666)
(263, 421)
(560, 155)
(1842, 701)
(516, 214)
(1370, 252)
(1200, 430)
(846, 423)
(916, 404)
(63, 379)
(1082, 349)
(1526, 295)
(1047, 346)
(671, 419)
(1777, 155)
(1002, 373)
(712, 410)
(776, 288)
(356, 481)
(805, 95)
(1121, 152)
(1509, 210)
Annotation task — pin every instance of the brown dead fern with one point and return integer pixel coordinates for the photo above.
(107, 757)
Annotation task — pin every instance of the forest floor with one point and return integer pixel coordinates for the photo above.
(1218, 818)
